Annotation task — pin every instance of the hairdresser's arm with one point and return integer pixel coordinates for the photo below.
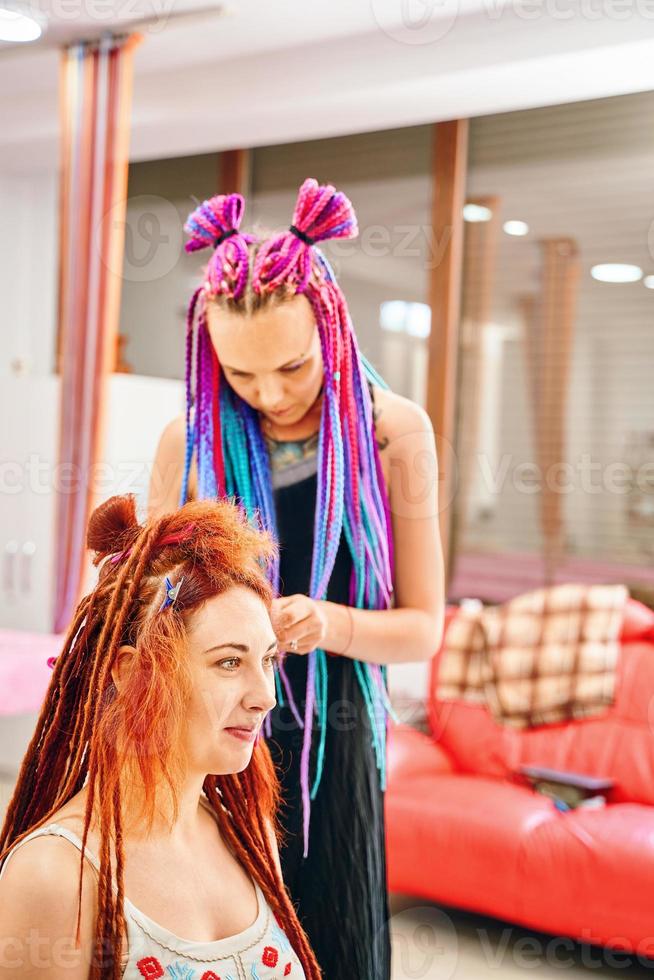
(413, 628)
(38, 913)
(168, 469)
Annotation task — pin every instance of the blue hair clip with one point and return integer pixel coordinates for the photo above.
(172, 591)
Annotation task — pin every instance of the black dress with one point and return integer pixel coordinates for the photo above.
(339, 889)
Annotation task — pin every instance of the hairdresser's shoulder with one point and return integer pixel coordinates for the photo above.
(172, 441)
(168, 469)
(397, 416)
(38, 911)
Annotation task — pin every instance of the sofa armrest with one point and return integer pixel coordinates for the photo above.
(412, 753)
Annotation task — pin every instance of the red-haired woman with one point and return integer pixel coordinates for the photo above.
(147, 760)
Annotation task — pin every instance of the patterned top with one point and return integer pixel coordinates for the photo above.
(260, 952)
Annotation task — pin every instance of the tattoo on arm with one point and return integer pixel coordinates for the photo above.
(383, 441)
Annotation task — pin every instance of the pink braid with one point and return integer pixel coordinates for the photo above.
(215, 224)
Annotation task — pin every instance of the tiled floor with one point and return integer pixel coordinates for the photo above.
(431, 943)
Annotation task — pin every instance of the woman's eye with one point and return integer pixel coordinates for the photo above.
(273, 659)
(293, 367)
(229, 664)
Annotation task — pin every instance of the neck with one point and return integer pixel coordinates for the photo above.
(165, 824)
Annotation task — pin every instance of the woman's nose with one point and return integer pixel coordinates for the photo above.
(271, 394)
(261, 695)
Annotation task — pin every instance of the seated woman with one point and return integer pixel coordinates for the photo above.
(147, 759)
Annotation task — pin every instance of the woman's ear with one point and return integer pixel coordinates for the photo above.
(123, 664)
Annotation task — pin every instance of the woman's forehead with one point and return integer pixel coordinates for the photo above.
(266, 340)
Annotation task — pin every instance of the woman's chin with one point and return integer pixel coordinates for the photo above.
(235, 759)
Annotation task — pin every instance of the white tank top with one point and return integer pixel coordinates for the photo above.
(260, 952)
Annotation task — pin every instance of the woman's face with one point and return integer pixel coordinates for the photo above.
(271, 359)
(232, 648)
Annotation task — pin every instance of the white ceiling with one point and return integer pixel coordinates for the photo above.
(257, 73)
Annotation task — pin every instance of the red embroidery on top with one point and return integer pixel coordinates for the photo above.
(150, 968)
(287, 969)
(270, 956)
(209, 975)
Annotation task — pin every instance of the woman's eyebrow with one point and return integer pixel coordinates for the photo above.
(241, 647)
(292, 361)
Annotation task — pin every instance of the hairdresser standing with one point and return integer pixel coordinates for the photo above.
(290, 419)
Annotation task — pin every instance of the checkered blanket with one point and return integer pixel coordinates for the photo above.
(546, 656)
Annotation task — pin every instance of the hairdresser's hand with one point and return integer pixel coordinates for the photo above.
(300, 618)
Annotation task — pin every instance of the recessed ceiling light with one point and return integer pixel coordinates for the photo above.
(476, 212)
(516, 228)
(616, 272)
(18, 27)
(649, 282)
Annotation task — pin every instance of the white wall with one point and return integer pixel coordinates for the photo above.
(28, 273)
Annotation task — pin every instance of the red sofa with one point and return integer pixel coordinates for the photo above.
(463, 831)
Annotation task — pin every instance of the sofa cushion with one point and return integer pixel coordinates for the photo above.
(588, 874)
(504, 850)
(412, 753)
(618, 744)
(457, 839)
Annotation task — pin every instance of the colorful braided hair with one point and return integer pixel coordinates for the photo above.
(225, 436)
(88, 730)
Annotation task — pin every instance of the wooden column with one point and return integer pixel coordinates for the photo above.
(558, 302)
(449, 169)
(479, 260)
(234, 172)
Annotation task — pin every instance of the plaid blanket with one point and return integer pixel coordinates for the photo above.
(544, 657)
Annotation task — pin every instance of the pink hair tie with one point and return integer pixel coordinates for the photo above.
(177, 538)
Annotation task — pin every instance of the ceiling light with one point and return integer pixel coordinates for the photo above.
(649, 282)
(517, 228)
(476, 212)
(616, 272)
(17, 27)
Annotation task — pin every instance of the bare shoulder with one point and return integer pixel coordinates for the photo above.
(168, 468)
(172, 441)
(396, 416)
(39, 894)
(45, 861)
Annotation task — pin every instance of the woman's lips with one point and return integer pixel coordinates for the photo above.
(283, 412)
(244, 734)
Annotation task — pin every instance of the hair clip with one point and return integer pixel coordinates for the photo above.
(119, 557)
(172, 591)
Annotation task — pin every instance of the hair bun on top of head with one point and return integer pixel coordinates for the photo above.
(215, 224)
(321, 212)
(113, 526)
